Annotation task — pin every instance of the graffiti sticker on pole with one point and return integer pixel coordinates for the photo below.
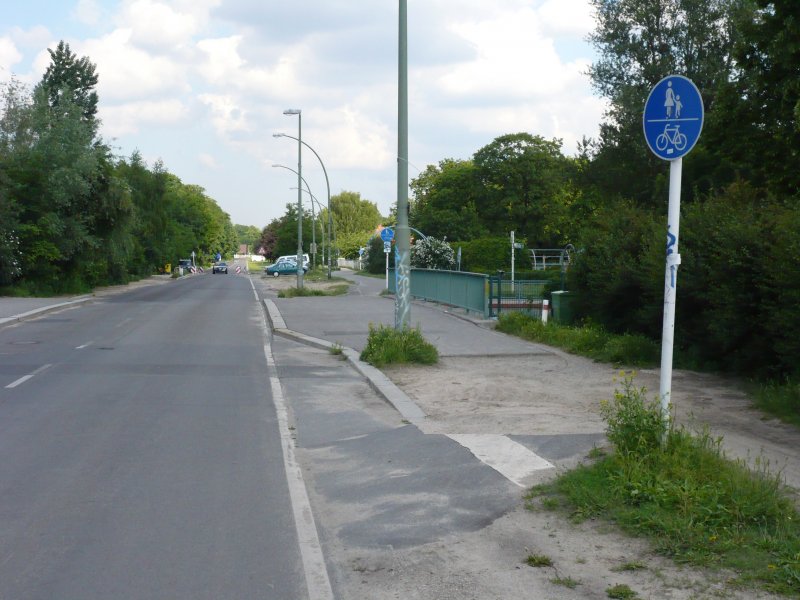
(673, 117)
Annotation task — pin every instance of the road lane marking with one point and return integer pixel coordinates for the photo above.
(25, 378)
(317, 581)
(509, 458)
(86, 345)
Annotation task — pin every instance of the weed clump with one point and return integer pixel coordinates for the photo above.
(386, 345)
(679, 490)
(586, 340)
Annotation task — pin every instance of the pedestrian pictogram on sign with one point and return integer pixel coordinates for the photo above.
(673, 117)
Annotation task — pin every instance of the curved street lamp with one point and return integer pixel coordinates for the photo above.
(327, 183)
(298, 112)
(313, 216)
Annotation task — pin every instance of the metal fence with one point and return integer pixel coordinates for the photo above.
(453, 288)
(525, 296)
(474, 292)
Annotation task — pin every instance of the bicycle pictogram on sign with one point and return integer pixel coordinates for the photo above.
(673, 117)
(671, 137)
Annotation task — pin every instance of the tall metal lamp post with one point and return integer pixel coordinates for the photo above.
(298, 112)
(402, 312)
(313, 218)
(327, 183)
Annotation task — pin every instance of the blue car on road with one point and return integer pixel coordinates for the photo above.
(284, 266)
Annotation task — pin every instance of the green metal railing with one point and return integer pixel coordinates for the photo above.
(486, 295)
(469, 291)
(519, 296)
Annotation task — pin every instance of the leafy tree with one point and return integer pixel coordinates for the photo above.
(71, 75)
(522, 175)
(349, 244)
(375, 258)
(279, 238)
(445, 201)
(639, 42)
(764, 105)
(352, 214)
(247, 234)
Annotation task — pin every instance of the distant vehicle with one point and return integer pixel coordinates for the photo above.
(293, 257)
(284, 266)
(185, 263)
(219, 267)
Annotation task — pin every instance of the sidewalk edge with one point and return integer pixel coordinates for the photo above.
(379, 382)
(43, 310)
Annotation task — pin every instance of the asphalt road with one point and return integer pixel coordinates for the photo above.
(141, 456)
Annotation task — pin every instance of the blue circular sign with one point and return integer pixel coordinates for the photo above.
(673, 117)
(387, 235)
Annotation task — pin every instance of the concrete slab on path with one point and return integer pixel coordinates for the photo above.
(345, 320)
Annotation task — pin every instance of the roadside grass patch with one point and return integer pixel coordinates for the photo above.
(386, 346)
(539, 560)
(587, 340)
(621, 592)
(567, 582)
(320, 274)
(686, 497)
(781, 399)
(633, 565)
(303, 292)
(294, 292)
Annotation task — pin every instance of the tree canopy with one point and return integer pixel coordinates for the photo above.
(72, 216)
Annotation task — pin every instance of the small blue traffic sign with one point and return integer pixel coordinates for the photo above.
(673, 117)
(387, 235)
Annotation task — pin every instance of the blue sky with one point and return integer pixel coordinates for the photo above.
(202, 84)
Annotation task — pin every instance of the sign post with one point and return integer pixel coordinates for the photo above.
(387, 235)
(672, 121)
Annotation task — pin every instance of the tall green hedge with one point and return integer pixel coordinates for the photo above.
(738, 286)
(488, 255)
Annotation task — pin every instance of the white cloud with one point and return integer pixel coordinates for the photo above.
(127, 72)
(135, 116)
(224, 67)
(158, 25)
(514, 60)
(353, 139)
(208, 161)
(226, 115)
(35, 38)
(9, 56)
(567, 17)
(88, 12)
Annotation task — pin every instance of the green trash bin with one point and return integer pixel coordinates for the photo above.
(564, 307)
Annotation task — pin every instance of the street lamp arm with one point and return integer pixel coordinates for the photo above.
(327, 185)
(322, 164)
(301, 177)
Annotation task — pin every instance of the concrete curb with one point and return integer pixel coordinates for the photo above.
(43, 310)
(376, 379)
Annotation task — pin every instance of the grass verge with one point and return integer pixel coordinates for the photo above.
(781, 399)
(293, 292)
(694, 504)
(778, 398)
(386, 346)
(591, 341)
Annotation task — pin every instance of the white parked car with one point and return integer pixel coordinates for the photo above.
(293, 257)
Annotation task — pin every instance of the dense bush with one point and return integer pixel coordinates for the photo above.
(432, 253)
(488, 255)
(738, 286)
(386, 346)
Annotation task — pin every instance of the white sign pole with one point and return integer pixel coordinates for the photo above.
(670, 286)
(512, 261)
(387, 270)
